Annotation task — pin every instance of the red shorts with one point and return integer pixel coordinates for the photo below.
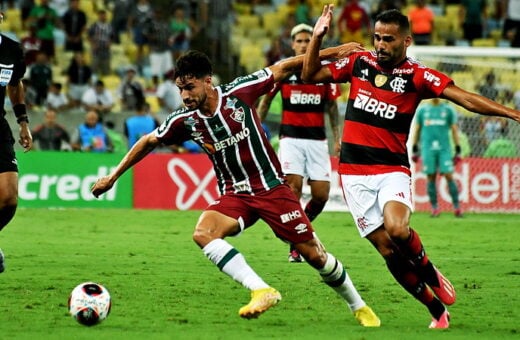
(278, 207)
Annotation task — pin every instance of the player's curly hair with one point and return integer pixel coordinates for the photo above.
(193, 64)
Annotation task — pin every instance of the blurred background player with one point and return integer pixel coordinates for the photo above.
(434, 122)
(12, 70)
(304, 150)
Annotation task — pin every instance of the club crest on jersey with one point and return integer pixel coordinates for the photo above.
(190, 122)
(238, 113)
(398, 84)
(380, 80)
(5, 76)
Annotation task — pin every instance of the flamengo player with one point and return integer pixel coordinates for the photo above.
(386, 87)
(223, 122)
(304, 150)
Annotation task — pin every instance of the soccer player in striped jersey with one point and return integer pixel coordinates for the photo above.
(223, 121)
(12, 70)
(304, 150)
(385, 88)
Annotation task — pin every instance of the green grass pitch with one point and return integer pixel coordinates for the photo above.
(163, 287)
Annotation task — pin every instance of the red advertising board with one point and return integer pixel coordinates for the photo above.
(184, 182)
(173, 181)
(485, 185)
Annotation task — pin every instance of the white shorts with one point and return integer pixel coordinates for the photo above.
(305, 157)
(366, 197)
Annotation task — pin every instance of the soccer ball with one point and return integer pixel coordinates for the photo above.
(89, 303)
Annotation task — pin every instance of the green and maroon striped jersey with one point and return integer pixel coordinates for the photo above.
(233, 138)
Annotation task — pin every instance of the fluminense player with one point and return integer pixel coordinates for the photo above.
(223, 121)
(304, 150)
(385, 88)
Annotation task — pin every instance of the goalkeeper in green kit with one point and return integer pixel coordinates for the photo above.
(434, 121)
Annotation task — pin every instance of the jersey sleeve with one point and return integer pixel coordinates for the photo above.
(250, 87)
(19, 67)
(172, 130)
(342, 69)
(431, 83)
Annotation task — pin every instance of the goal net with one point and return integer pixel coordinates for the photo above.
(489, 175)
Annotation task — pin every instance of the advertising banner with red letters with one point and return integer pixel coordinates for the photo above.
(187, 182)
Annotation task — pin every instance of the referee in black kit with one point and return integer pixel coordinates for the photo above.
(12, 70)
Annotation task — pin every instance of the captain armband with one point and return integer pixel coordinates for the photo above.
(20, 111)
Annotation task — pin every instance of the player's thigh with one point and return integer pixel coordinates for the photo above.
(445, 162)
(228, 216)
(361, 193)
(430, 161)
(317, 160)
(8, 188)
(291, 153)
(395, 199)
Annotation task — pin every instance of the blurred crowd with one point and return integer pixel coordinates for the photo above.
(108, 61)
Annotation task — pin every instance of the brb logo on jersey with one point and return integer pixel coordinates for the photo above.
(375, 106)
(297, 97)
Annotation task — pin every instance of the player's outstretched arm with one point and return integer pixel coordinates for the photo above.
(141, 148)
(479, 104)
(312, 70)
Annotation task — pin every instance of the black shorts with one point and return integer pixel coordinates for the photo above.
(7, 155)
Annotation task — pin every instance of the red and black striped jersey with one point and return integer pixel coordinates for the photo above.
(233, 138)
(303, 107)
(380, 109)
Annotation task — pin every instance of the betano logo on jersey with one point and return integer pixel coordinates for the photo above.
(375, 106)
(230, 141)
(297, 97)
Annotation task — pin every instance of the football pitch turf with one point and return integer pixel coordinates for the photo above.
(163, 287)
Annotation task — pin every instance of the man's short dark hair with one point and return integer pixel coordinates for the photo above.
(394, 16)
(193, 64)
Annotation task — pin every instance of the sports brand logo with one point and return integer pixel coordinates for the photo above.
(301, 228)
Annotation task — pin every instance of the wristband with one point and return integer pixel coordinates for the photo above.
(22, 119)
(457, 149)
(19, 110)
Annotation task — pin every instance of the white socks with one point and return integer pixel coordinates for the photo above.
(337, 278)
(231, 262)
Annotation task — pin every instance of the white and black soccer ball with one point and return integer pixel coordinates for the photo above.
(89, 303)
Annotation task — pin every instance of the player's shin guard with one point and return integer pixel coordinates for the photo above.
(414, 249)
(403, 273)
(232, 263)
(337, 278)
